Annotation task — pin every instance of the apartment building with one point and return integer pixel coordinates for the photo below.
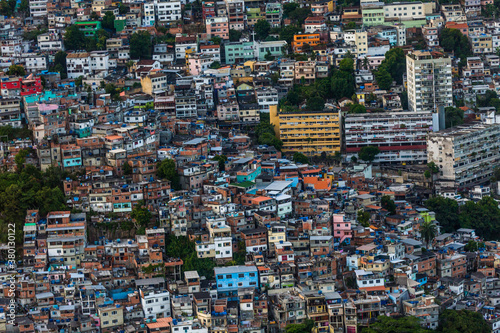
(429, 81)
(400, 136)
(299, 40)
(78, 64)
(405, 10)
(168, 11)
(424, 308)
(307, 132)
(10, 112)
(217, 27)
(155, 303)
(466, 154)
(236, 14)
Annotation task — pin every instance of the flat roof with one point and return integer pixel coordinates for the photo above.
(234, 269)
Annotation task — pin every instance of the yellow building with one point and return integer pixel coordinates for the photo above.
(307, 132)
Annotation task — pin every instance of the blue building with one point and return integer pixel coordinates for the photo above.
(230, 279)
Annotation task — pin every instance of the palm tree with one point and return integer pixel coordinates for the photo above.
(428, 231)
(366, 64)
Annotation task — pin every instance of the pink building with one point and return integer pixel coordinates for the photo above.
(341, 229)
(198, 63)
(217, 26)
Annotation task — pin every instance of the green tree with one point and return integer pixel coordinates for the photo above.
(347, 65)
(215, 65)
(406, 324)
(7, 7)
(168, 170)
(452, 40)
(24, 7)
(300, 158)
(127, 168)
(102, 37)
(453, 116)
(287, 32)
(388, 204)
(264, 132)
(356, 108)
(262, 28)
(216, 40)
(182, 247)
(428, 230)
(446, 212)
(141, 45)
(364, 218)
(141, 214)
(315, 103)
(483, 216)
(395, 64)
(384, 79)
(473, 246)
(108, 21)
(462, 321)
(234, 35)
(74, 38)
(123, 9)
(94, 16)
(350, 25)
(222, 159)
(20, 159)
(269, 56)
(368, 153)
(16, 70)
(305, 327)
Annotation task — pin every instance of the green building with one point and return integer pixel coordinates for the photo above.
(89, 28)
(373, 15)
(239, 52)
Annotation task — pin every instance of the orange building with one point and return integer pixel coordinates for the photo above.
(300, 40)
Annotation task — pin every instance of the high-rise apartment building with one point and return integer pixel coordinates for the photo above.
(429, 81)
(466, 154)
(307, 132)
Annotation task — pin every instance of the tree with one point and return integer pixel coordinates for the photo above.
(388, 204)
(406, 324)
(395, 64)
(368, 153)
(347, 65)
(269, 56)
(462, 321)
(350, 25)
(262, 28)
(356, 108)
(483, 216)
(108, 21)
(452, 40)
(20, 159)
(24, 7)
(304, 327)
(473, 246)
(74, 38)
(216, 40)
(123, 9)
(16, 70)
(78, 81)
(453, 116)
(167, 169)
(428, 230)
(141, 214)
(446, 212)
(127, 168)
(364, 218)
(141, 45)
(94, 16)
(234, 35)
(315, 103)
(300, 158)
(215, 65)
(384, 79)
(222, 159)
(7, 7)
(182, 247)
(287, 32)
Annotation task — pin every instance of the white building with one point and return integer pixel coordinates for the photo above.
(265, 97)
(148, 14)
(35, 62)
(405, 10)
(38, 8)
(400, 136)
(155, 304)
(50, 42)
(429, 81)
(99, 61)
(465, 155)
(367, 279)
(78, 64)
(168, 11)
(223, 247)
